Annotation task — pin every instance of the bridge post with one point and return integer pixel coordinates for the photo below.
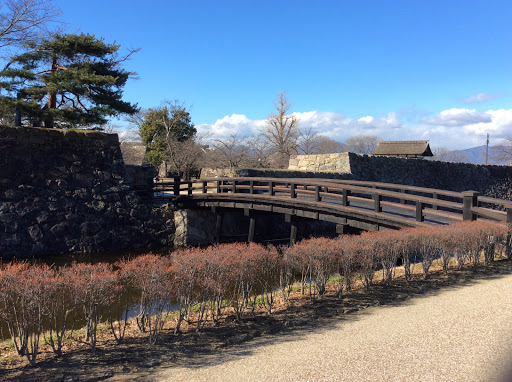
(252, 224)
(251, 187)
(469, 199)
(293, 193)
(233, 187)
(293, 220)
(177, 184)
(377, 198)
(218, 186)
(419, 211)
(189, 188)
(508, 239)
(219, 217)
(318, 198)
(345, 202)
(271, 188)
(203, 187)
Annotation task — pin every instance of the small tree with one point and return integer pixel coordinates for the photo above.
(24, 297)
(93, 286)
(282, 131)
(164, 128)
(151, 277)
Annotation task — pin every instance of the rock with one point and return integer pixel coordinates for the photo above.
(35, 232)
(238, 339)
(7, 218)
(60, 229)
(150, 363)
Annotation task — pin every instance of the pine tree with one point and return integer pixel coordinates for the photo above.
(67, 81)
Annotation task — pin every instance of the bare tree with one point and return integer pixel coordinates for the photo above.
(184, 157)
(362, 144)
(260, 152)
(503, 152)
(282, 131)
(310, 142)
(445, 155)
(231, 152)
(126, 134)
(23, 21)
(137, 119)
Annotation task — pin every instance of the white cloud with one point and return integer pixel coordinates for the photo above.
(458, 117)
(237, 124)
(452, 128)
(480, 97)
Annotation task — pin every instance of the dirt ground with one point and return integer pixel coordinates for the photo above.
(137, 360)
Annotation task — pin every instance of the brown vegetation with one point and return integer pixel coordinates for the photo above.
(211, 285)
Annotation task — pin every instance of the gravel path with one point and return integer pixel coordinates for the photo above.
(462, 333)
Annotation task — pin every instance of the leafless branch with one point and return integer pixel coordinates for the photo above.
(23, 21)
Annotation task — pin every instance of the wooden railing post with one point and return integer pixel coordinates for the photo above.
(203, 186)
(469, 199)
(189, 188)
(177, 184)
(318, 198)
(403, 191)
(293, 193)
(419, 211)
(271, 188)
(345, 201)
(233, 187)
(377, 198)
(508, 239)
(218, 186)
(434, 196)
(251, 187)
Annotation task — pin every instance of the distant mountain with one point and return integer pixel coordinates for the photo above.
(476, 155)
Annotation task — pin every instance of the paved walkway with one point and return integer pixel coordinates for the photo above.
(462, 333)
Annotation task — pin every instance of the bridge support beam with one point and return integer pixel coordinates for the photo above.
(252, 224)
(219, 217)
(294, 223)
(508, 239)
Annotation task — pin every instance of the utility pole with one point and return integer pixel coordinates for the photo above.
(487, 150)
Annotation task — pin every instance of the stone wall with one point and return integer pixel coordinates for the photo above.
(490, 180)
(339, 162)
(66, 191)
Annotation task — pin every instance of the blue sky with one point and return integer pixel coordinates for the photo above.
(438, 70)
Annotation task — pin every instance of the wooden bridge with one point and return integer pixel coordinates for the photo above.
(365, 205)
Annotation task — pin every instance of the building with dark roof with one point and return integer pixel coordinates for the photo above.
(403, 149)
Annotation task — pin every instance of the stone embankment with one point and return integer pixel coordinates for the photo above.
(67, 191)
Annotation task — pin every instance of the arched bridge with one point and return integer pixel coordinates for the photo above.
(361, 204)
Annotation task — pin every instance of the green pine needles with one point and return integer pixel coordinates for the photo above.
(67, 81)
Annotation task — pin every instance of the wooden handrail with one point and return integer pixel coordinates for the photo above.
(346, 190)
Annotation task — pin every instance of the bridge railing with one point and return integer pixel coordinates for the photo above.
(469, 205)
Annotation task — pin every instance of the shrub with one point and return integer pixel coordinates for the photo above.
(150, 277)
(92, 286)
(24, 297)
